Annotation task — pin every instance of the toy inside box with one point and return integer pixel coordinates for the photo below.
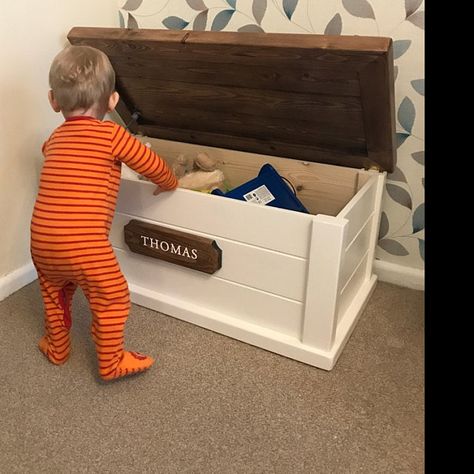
(319, 109)
(267, 189)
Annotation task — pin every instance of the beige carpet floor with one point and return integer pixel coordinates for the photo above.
(213, 404)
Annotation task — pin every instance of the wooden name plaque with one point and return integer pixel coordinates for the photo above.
(180, 248)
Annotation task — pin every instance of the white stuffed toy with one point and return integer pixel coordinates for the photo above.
(203, 175)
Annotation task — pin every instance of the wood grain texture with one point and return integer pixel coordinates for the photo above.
(181, 248)
(276, 128)
(166, 101)
(300, 76)
(311, 97)
(378, 109)
(126, 115)
(263, 146)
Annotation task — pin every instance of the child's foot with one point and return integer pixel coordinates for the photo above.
(57, 359)
(131, 363)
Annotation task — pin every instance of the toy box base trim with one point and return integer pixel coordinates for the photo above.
(256, 335)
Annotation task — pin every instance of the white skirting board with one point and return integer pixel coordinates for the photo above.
(16, 280)
(400, 275)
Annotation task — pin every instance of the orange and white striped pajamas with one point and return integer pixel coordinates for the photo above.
(71, 221)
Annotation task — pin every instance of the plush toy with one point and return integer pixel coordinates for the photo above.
(180, 166)
(204, 162)
(199, 174)
(203, 176)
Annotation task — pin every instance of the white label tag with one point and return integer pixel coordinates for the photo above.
(261, 195)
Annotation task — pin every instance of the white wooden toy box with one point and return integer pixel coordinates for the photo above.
(289, 282)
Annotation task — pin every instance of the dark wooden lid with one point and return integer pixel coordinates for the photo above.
(328, 99)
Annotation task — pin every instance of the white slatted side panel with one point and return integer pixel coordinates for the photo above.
(211, 293)
(356, 251)
(359, 208)
(271, 228)
(362, 215)
(270, 271)
(354, 284)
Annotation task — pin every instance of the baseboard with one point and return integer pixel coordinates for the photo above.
(399, 275)
(16, 280)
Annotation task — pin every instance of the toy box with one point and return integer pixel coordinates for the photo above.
(320, 110)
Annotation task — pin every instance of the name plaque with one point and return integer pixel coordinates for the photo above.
(174, 246)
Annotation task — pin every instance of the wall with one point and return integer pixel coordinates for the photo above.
(401, 240)
(31, 34)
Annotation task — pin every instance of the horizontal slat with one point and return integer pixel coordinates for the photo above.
(222, 55)
(262, 226)
(301, 77)
(358, 210)
(256, 145)
(231, 47)
(265, 270)
(356, 251)
(327, 44)
(349, 292)
(348, 44)
(158, 98)
(238, 301)
(296, 131)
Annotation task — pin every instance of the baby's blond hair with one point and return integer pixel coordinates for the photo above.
(81, 77)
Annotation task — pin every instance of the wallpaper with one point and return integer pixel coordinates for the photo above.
(402, 234)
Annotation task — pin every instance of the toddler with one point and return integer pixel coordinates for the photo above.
(74, 209)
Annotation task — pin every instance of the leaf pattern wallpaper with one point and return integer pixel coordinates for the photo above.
(402, 227)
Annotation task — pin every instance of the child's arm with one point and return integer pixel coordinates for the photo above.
(142, 159)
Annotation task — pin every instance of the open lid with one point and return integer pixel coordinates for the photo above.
(328, 99)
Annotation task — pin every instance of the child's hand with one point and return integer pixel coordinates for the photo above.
(159, 190)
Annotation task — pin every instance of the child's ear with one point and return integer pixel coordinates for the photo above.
(52, 101)
(113, 101)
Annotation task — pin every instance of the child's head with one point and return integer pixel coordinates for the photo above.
(82, 81)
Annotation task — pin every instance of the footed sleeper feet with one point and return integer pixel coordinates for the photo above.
(53, 356)
(131, 363)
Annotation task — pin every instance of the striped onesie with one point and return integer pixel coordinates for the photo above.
(71, 222)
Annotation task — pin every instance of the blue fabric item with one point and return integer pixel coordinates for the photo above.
(268, 188)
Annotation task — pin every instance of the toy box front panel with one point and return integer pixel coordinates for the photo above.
(262, 278)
